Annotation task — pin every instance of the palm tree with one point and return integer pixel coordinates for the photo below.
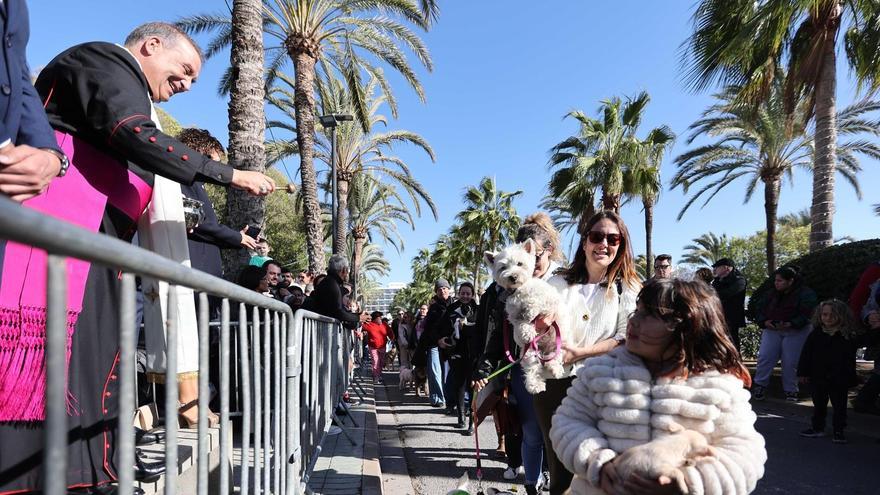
(246, 118)
(706, 250)
(489, 219)
(374, 210)
(642, 180)
(323, 38)
(597, 157)
(795, 219)
(763, 143)
(369, 153)
(743, 42)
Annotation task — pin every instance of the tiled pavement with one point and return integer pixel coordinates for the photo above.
(346, 469)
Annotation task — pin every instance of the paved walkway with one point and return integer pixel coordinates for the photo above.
(344, 468)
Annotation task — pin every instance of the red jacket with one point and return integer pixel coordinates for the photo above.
(377, 334)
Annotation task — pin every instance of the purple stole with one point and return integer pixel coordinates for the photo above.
(94, 181)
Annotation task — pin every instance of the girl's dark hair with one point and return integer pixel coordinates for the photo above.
(251, 276)
(786, 272)
(621, 268)
(694, 312)
(467, 284)
(705, 274)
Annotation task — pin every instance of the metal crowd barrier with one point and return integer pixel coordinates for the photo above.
(310, 353)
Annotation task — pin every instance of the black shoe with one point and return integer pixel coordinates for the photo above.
(144, 437)
(147, 471)
(460, 423)
(531, 490)
(470, 429)
(838, 437)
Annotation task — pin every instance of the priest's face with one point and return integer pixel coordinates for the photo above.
(169, 68)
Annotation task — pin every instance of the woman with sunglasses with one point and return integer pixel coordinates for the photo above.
(678, 371)
(599, 291)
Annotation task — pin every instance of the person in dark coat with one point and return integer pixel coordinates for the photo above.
(29, 154)
(326, 299)
(730, 285)
(209, 236)
(828, 364)
(427, 352)
(458, 336)
(99, 99)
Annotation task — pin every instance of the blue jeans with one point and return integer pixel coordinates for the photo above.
(435, 376)
(532, 438)
(785, 344)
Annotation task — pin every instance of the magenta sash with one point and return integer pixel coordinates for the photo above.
(94, 180)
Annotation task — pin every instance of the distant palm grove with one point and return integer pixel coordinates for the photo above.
(770, 65)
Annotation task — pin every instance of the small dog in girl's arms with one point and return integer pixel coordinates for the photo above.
(530, 297)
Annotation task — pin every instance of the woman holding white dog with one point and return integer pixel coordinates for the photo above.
(500, 349)
(598, 292)
(667, 413)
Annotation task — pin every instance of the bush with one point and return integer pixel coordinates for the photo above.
(749, 341)
(831, 272)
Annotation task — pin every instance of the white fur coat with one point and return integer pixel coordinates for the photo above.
(614, 404)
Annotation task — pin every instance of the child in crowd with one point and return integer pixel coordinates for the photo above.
(828, 364)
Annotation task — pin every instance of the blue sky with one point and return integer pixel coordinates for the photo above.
(505, 74)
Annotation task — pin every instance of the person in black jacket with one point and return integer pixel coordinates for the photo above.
(828, 364)
(326, 299)
(458, 341)
(730, 285)
(427, 352)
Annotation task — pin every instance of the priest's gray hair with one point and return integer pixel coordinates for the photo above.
(337, 264)
(168, 33)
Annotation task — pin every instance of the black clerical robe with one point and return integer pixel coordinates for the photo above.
(97, 100)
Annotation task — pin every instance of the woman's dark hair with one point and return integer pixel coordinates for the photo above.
(467, 284)
(621, 268)
(694, 311)
(705, 274)
(251, 276)
(786, 272)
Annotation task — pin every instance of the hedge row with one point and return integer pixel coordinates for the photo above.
(831, 272)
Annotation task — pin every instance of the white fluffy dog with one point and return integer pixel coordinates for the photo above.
(664, 456)
(512, 269)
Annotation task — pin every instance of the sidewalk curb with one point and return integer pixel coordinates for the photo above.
(372, 473)
(395, 473)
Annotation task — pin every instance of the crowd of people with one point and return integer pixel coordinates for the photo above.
(647, 363)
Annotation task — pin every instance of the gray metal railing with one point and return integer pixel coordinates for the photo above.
(293, 369)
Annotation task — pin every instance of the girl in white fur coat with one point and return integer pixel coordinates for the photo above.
(677, 371)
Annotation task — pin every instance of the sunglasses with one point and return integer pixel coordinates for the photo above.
(597, 238)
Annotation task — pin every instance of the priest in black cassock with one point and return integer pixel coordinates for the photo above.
(98, 97)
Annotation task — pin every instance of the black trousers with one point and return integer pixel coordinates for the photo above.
(821, 392)
(545, 404)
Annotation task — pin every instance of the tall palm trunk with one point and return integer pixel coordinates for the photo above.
(611, 202)
(771, 205)
(825, 159)
(342, 182)
(356, 257)
(478, 263)
(304, 106)
(649, 230)
(246, 120)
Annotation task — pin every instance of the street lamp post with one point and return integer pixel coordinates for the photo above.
(330, 121)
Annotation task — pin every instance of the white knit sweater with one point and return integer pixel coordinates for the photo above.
(608, 313)
(614, 404)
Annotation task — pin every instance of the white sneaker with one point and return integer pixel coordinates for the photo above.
(510, 474)
(334, 430)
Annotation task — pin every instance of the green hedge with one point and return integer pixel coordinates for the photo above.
(831, 272)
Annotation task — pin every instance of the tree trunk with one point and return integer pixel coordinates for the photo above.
(246, 120)
(611, 202)
(586, 215)
(771, 204)
(356, 263)
(825, 158)
(304, 106)
(649, 230)
(478, 264)
(342, 182)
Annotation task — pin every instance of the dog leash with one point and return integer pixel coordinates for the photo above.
(533, 343)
